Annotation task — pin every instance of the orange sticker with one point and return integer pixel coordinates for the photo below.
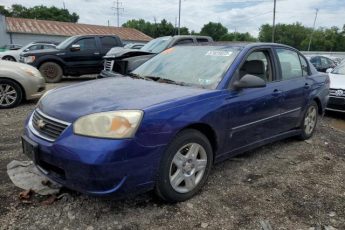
(168, 51)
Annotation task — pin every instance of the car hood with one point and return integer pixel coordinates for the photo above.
(337, 81)
(41, 52)
(10, 52)
(110, 94)
(117, 52)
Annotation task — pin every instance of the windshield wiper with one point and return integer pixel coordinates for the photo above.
(166, 80)
(137, 76)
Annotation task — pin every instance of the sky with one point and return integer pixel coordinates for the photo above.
(236, 15)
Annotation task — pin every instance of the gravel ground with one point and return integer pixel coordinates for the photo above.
(287, 185)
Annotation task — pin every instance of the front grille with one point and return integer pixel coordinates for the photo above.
(47, 127)
(108, 65)
(333, 92)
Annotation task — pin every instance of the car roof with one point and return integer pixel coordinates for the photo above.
(241, 44)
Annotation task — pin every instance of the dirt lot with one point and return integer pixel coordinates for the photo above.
(289, 184)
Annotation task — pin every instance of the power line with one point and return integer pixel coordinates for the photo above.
(312, 33)
(117, 9)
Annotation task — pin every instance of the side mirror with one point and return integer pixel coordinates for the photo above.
(329, 70)
(26, 50)
(75, 47)
(249, 81)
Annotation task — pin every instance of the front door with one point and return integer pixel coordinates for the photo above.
(254, 113)
(87, 59)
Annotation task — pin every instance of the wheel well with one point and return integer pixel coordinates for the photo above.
(208, 132)
(52, 60)
(319, 105)
(20, 85)
(8, 56)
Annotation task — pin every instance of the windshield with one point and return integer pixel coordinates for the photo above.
(340, 69)
(157, 45)
(63, 45)
(202, 66)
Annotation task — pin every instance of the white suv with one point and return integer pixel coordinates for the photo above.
(337, 88)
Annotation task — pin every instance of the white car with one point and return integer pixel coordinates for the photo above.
(337, 88)
(13, 55)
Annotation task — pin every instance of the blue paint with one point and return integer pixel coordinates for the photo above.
(240, 120)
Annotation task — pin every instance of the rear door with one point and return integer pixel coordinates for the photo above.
(107, 42)
(294, 86)
(87, 60)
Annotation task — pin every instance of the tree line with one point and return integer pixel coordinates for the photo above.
(39, 12)
(295, 35)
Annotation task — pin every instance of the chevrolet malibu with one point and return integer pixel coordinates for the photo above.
(164, 126)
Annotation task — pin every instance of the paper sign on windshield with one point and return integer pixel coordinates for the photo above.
(219, 53)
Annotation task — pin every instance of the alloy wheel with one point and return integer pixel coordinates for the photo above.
(187, 167)
(8, 95)
(310, 120)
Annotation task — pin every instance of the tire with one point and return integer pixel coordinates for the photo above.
(184, 167)
(51, 71)
(309, 121)
(9, 58)
(10, 94)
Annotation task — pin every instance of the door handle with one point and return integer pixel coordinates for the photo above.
(276, 92)
(96, 53)
(306, 86)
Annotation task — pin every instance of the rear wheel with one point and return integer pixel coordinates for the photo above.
(10, 94)
(9, 58)
(51, 71)
(184, 167)
(309, 121)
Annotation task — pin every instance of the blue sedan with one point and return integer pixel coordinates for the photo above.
(165, 125)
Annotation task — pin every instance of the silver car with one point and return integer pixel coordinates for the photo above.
(19, 82)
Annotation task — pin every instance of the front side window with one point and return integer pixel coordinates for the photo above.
(258, 64)
(198, 66)
(35, 47)
(184, 41)
(290, 64)
(87, 44)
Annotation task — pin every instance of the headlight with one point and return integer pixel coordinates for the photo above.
(29, 59)
(29, 71)
(116, 124)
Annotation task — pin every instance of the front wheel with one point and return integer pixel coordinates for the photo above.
(9, 58)
(184, 167)
(10, 94)
(309, 121)
(51, 71)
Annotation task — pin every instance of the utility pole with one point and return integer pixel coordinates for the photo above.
(117, 9)
(312, 33)
(274, 20)
(179, 17)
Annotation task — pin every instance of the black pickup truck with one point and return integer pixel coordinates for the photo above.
(120, 60)
(77, 55)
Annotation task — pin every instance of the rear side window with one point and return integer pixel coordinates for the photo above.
(290, 64)
(108, 42)
(87, 44)
(305, 69)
